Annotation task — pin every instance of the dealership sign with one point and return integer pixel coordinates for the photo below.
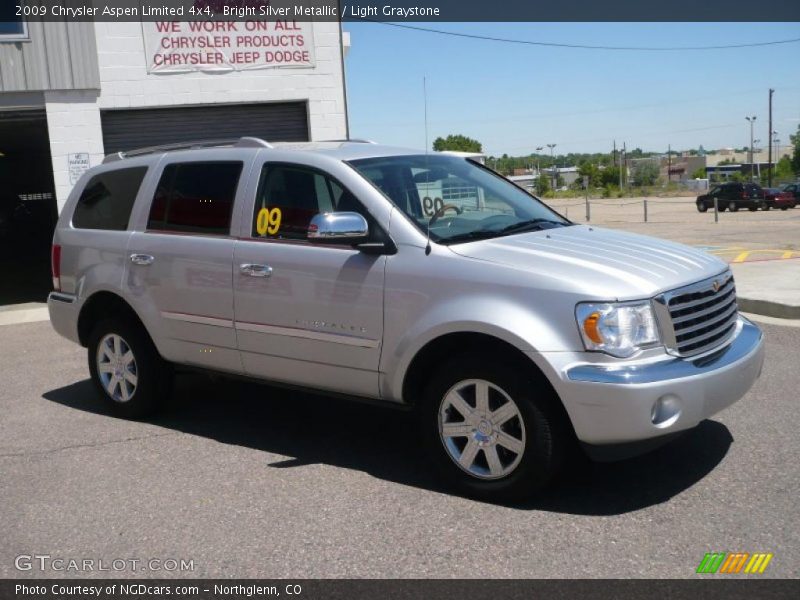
(181, 47)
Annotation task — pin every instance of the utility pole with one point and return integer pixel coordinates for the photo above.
(769, 158)
(752, 121)
(669, 163)
(621, 164)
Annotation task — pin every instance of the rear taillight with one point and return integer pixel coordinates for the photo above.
(744, 195)
(55, 266)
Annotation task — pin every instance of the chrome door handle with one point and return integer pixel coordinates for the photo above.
(142, 259)
(255, 270)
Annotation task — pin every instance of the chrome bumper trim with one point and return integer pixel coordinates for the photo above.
(743, 345)
(61, 297)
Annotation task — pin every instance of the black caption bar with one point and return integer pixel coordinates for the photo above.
(404, 10)
(478, 589)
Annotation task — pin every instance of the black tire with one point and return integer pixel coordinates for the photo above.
(153, 374)
(765, 206)
(784, 207)
(752, 208)
(548, 435)
(732, 206)
(702, 207)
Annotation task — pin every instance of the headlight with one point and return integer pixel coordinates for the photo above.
(620, 330)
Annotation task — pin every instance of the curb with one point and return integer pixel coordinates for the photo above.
(768, 308)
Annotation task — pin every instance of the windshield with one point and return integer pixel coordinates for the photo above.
(458, 199)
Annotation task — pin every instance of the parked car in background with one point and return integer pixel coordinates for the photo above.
(733, 196)
(794, 190)
(777, 198)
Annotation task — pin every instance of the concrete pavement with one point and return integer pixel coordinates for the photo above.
(770, 288)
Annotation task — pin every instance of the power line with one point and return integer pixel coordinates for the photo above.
(582, 46)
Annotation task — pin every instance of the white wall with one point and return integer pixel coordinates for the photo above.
(74, 117)
(73, 121)
(126, 83)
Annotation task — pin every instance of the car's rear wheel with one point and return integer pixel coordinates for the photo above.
(127, 370)
(492, 433)
(765, 205)
(732, 206)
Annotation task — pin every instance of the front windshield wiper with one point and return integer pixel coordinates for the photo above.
(529, 225)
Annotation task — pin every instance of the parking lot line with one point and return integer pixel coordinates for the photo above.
(741, 257)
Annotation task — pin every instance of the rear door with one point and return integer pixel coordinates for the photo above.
(306, 314)
(180, 271)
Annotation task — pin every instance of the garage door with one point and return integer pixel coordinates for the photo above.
(131, 129)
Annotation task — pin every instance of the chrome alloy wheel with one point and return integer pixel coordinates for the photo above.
(116, 367)
(482, 429)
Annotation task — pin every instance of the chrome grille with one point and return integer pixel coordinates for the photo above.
(701, 316)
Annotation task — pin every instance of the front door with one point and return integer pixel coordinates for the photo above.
(306, 314)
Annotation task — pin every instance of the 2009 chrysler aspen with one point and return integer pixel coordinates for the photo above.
(417, 278)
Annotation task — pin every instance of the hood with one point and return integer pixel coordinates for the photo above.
(601, 263)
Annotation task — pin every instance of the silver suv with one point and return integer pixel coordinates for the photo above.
(392, 275)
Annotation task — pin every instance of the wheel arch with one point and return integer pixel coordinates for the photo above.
(101, 305)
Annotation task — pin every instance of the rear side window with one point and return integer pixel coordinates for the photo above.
(195, 197)
(107, 200)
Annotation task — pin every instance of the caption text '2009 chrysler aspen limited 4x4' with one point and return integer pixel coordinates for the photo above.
(387, 274)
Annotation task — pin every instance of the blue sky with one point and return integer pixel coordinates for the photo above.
(513, 97)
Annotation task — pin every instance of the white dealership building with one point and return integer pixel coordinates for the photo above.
(71, 93)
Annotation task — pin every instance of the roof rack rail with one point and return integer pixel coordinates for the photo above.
(353, 140)
(243, 142)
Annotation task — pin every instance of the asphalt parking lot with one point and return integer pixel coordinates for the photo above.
(248, 481)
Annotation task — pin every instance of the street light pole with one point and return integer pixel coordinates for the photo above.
(769, 158)
(551, 146)
(538, 170)
(752, 121)
(758, 175)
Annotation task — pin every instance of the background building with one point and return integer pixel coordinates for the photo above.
(71, 93)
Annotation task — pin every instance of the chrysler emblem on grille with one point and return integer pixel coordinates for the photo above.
(715, 285)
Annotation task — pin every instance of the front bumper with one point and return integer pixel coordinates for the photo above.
(621, 402)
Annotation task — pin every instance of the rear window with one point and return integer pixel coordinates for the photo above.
(195, 197)
(107, 200)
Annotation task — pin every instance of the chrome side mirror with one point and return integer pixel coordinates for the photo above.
(338, 228)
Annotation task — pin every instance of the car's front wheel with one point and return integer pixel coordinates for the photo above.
(127, 370)
(702, 207)
(493, 433)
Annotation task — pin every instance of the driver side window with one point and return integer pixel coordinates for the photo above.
(289, 196)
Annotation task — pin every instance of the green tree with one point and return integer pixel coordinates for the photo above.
(645, 172)
(796, 154)
(458, 143)
(783, 169)
(588, 172)
(543, 184)
(699, 173)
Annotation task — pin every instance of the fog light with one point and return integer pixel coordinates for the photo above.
(666, 411)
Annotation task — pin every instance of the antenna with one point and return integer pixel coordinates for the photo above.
(427, 171)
